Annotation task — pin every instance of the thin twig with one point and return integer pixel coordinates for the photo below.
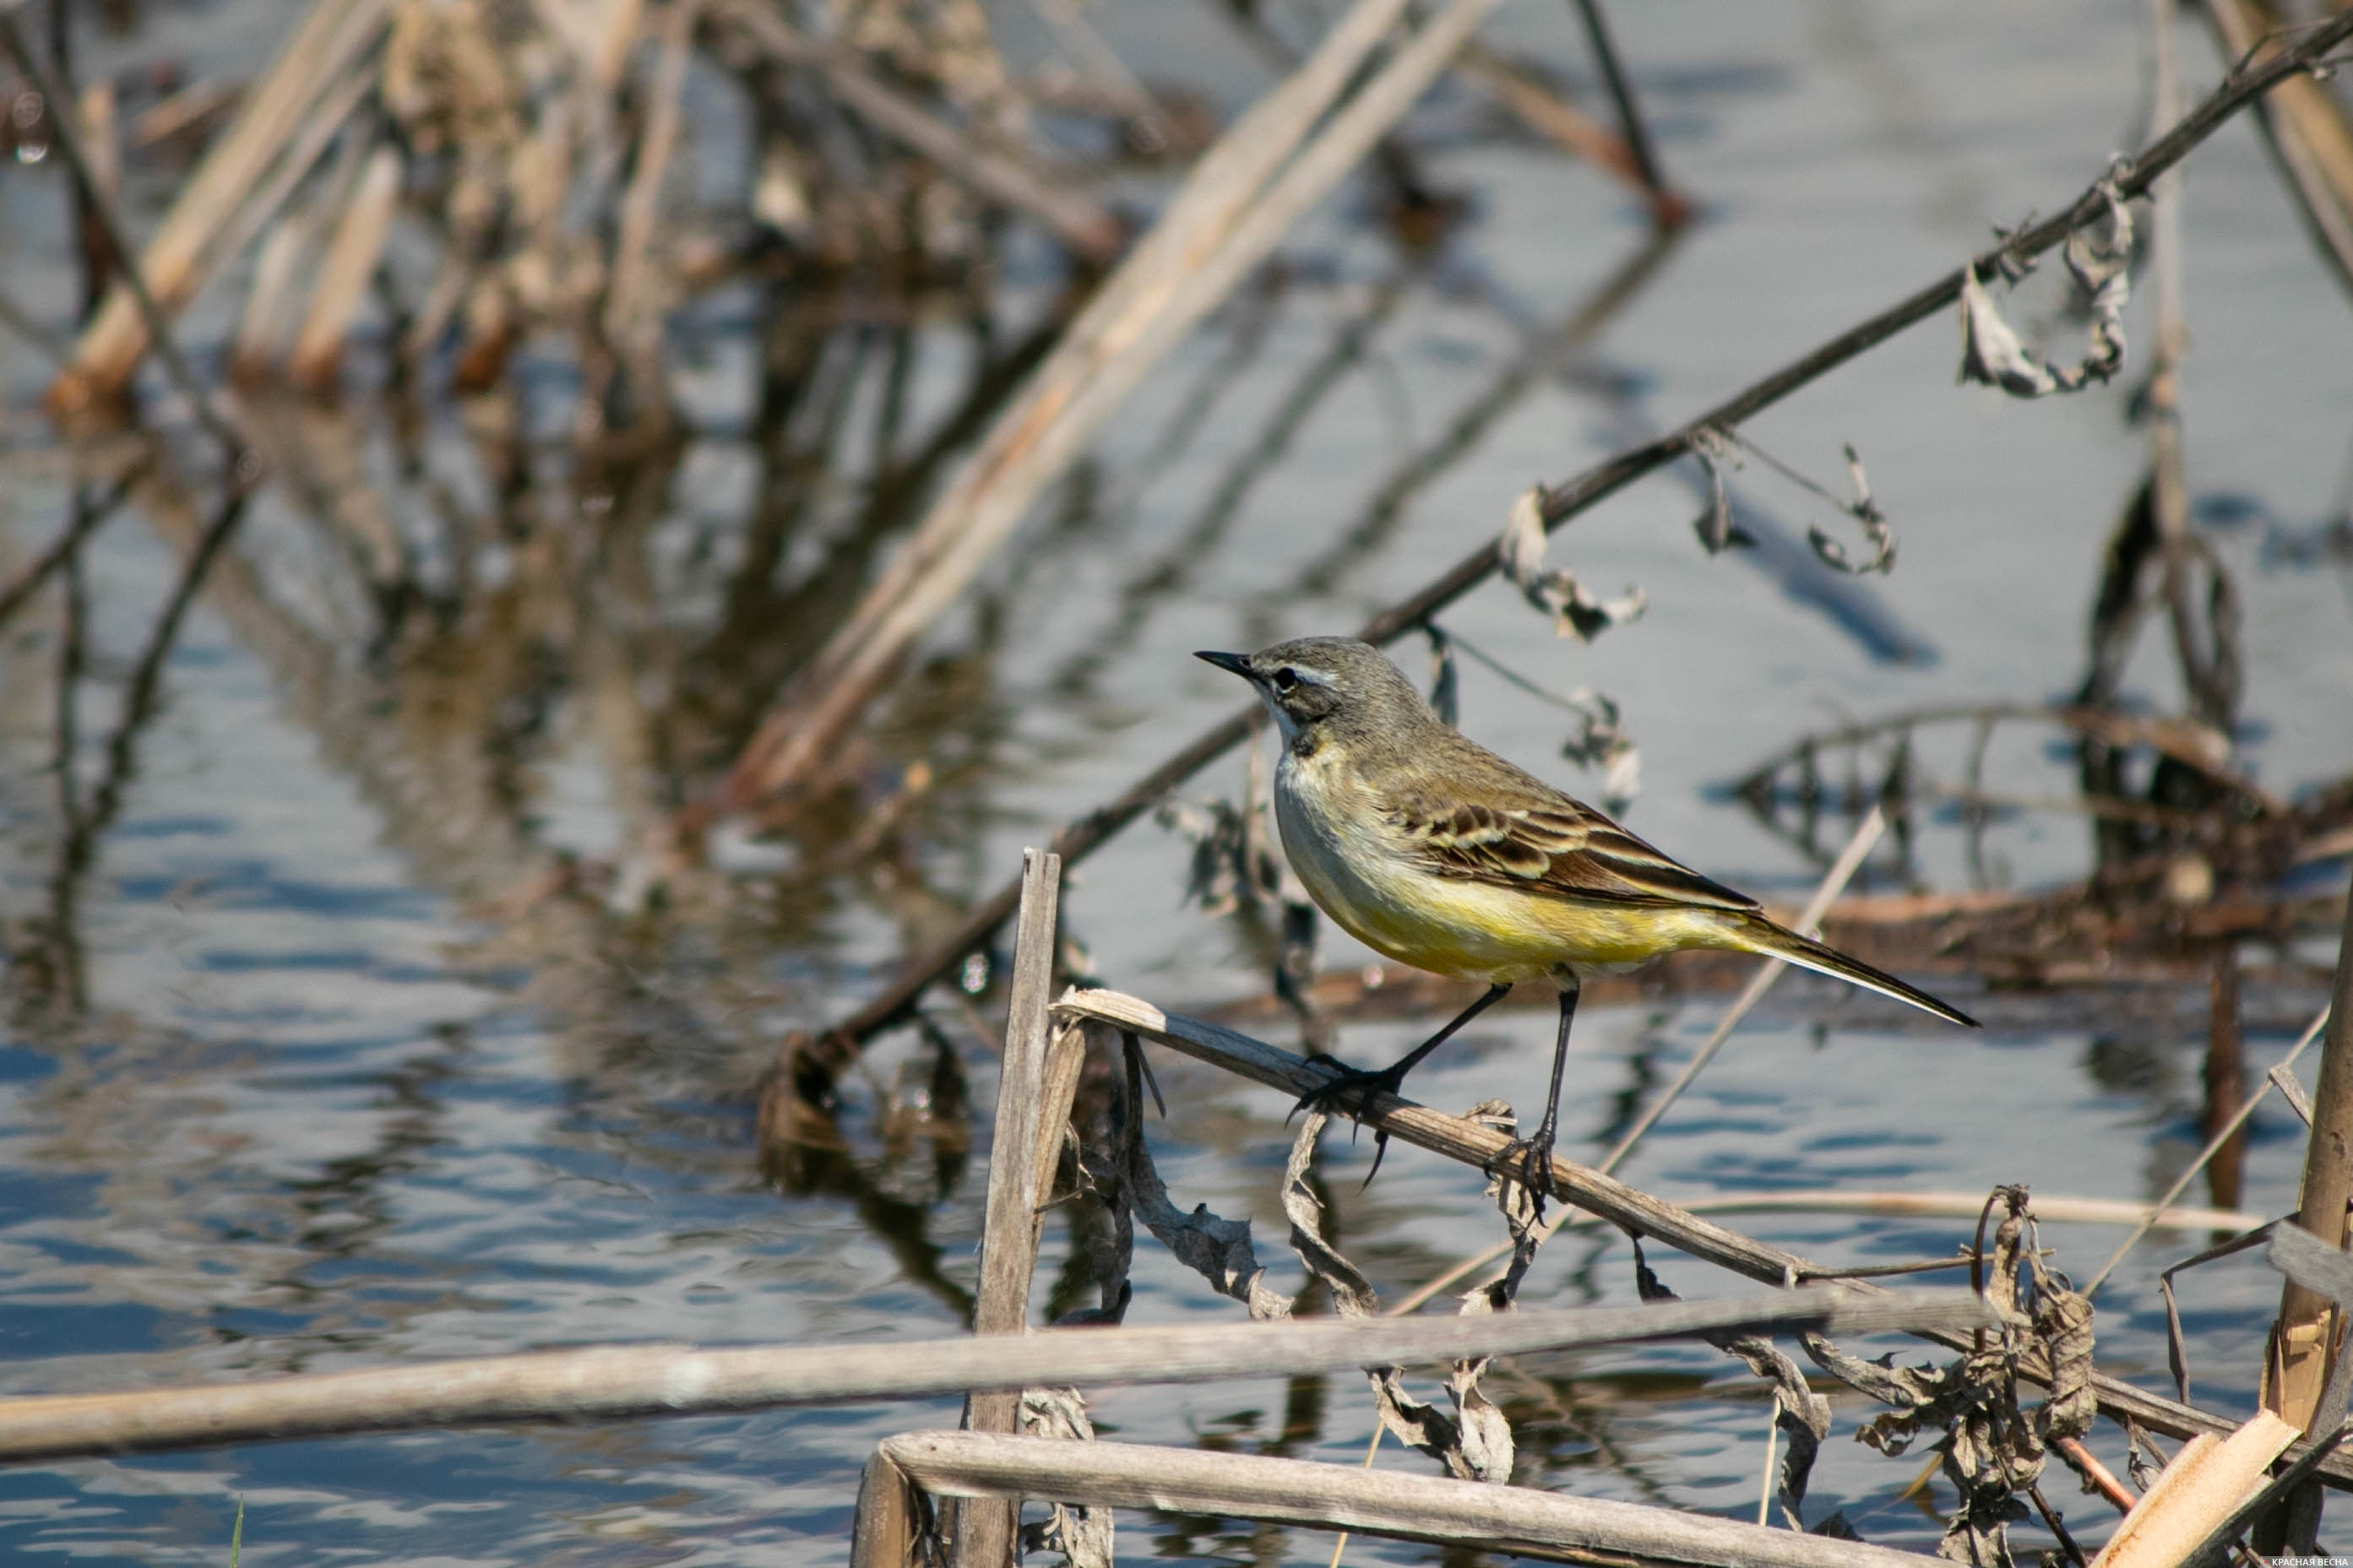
(2213, 1146)
(96, 206)
(1667, 208)
(1858, 846)
(86, 520)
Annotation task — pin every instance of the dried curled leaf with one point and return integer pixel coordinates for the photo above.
(1876, 528)
(1217, 1249)
(1555, 589)
(1445, 685)
(1993, 1452)
(1717, 529)
(1220, 877)
(2098, 255)
(1991, 353)
(1475, 1444)
(1081, 1534)
(1601, 741)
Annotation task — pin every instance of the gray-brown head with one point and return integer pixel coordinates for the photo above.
(1321, 688)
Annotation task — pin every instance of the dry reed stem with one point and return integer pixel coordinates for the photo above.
(1551, 116)
(1463, 1514)
(1087, 227)
(984, 1533)
(2305, 130)
(617, 1382)
(182, 251)
(361, 233)
(2196, 1495)
(1639, 1213)
(1968, 1206)
(270, 305)
(1083, 835)
(97, 210)
(1668, 209)
(2305, 1340)
(634, 296)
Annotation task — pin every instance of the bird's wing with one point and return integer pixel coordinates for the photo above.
(1538, 839)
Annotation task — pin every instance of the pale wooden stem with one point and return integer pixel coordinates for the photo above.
(614, 1382)
(1009, 1251)
(2305, 128)
(180, 254)
(883, 1530)
(352, 257)
(633, 301)
(270, 305)
(1490, 1519)
(2304, 1339)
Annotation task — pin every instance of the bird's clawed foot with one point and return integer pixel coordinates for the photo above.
(1527, 1160)
(1351, 1092)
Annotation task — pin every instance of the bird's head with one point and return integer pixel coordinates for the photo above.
(1328, 683)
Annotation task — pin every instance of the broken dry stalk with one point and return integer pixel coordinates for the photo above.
(2305, 1340)
(98, 209)
(1008, 1250)
(351, 260)
(2305, 130)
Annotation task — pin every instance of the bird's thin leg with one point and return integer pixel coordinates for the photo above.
(1352, 1083)
(1534, 1154)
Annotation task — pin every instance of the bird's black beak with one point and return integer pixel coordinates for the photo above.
(1239, 663)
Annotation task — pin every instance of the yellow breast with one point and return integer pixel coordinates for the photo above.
(1367, 879)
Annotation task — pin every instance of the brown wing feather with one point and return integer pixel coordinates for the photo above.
(1531, 835)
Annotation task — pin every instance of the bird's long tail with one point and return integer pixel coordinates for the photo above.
(1756, 935)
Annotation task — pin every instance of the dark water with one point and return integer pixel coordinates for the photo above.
(312, 1066)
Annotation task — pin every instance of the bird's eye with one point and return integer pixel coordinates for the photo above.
(1285, 679)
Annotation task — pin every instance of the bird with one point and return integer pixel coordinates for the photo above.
(1434, 851)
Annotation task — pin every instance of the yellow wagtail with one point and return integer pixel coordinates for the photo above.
(1428, 847)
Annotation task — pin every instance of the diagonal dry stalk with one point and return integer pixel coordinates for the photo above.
(1638, 1213)
(828, 1052)
(2307, 1340)
(2307, 131)
(182, 251)
(1232, 211)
